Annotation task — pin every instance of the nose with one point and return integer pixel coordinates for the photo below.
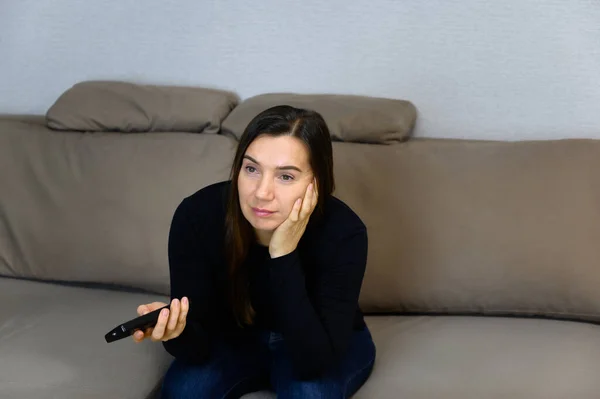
(264, 191)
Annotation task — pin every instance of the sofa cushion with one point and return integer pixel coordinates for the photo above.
(131, 107)
(52, 344)
(98, 206)
(483, 357)
(349, 118)
(475, 227)
(480, 357)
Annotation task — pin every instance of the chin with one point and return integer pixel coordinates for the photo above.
(265, 225)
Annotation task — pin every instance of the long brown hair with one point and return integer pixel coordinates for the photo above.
(306, 125)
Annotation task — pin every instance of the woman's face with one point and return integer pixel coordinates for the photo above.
(275, 173)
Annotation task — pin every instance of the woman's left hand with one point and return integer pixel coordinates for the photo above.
(286, 237)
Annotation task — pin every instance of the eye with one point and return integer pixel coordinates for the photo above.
(250, 169)
(287, 177)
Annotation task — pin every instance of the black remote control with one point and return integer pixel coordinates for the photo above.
(139, 323)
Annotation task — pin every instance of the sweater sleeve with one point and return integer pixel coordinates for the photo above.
(318, 332)
(190, 276)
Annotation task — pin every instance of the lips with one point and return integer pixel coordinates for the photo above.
(262, 212)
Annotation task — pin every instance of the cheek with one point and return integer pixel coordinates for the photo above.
(287, 201)
(244, 187)
(243, 199)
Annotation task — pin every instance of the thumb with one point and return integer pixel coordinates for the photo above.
(142, 310)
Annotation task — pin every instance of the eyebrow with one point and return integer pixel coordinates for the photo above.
(285, 167)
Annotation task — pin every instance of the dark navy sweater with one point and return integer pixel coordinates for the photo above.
(309, 296)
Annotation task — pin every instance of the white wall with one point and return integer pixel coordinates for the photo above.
(511, 69)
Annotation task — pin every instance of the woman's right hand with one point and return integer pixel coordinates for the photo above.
(170, 324)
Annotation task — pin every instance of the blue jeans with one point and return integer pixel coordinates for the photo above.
(233, 372)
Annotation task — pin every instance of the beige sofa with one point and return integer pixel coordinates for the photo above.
(483, 278)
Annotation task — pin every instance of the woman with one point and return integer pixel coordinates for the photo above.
(266, 271)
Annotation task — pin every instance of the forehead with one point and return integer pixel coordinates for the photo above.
(279, 150)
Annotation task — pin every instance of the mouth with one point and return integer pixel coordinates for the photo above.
(262, 212)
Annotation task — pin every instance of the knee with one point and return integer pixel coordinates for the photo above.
(186, 381)
(312, 390)
(179, 382)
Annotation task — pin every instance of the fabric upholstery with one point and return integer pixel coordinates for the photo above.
(98, 206)
(349, 118)
(52, 344)
(450, 357)
(475, 227)
(455, 227)
(130, 107)
(48, 333)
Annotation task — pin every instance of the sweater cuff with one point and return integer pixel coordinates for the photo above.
(189, 346)
(280, 267)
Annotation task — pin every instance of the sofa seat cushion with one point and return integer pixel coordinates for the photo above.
(52, 344)
(450, 357)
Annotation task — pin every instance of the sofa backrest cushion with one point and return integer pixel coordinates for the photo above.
(455, 226)
(97, 207)
(474, 227)
(349, 118)
(130, 107)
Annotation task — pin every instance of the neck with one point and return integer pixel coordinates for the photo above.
(263, 237)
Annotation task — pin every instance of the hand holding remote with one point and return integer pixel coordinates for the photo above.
(170, 324)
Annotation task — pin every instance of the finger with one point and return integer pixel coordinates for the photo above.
(138, 336)
(178, 331)
(307, 202)
(185, 306)
(181, 322)
(174, 315)
(295, 214)
(159, 329)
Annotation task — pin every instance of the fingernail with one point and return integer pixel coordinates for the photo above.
(163, 313)
(184, 301)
